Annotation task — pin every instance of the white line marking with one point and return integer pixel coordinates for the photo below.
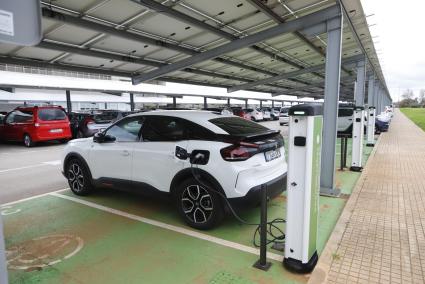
(48, 163)
(32, 197)
(53, 163)
(173, 228)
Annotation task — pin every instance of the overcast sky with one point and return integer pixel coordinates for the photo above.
(400, 42)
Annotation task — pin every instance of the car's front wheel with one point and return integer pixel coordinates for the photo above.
(199, 204)
(78, 176)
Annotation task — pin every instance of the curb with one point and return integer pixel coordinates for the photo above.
(320, 272)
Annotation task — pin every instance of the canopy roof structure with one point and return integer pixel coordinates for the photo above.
(256, 45)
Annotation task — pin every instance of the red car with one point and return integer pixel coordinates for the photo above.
(34, 124)
(241, 113)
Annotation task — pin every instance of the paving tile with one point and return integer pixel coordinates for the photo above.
(384, 238)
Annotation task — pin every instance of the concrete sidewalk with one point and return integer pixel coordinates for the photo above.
(380, 237)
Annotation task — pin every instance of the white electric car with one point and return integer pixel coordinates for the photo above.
(199, 157)
(283, 116)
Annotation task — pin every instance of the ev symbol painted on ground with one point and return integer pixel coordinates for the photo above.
(8, 210)
(43, 251)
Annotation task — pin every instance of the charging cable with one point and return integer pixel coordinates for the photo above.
(277, 234)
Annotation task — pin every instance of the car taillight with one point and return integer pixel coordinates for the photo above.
(88, 121)
(239, 152)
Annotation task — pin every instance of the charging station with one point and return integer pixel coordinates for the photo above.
(371, 127)
(358, 136)
(304, 157)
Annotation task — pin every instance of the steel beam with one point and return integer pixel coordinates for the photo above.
(246, 103)
(131, 101)
(68, 101)
(292, 74)
(174, 102)
(330, 108)
(359, 94)
(123, 58)
(205, 102)
(291, 26)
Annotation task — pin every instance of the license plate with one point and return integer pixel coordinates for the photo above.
(55, 130)
(271, 155)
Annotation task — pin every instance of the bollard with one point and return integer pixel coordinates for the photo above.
(262, 262)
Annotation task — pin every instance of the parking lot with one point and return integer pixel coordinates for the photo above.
(88, 238)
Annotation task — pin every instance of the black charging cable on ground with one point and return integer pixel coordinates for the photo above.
(276, 233)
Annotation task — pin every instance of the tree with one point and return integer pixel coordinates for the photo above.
(408, 99)
(408, 95)
(421, 98)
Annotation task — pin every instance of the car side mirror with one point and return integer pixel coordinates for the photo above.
(101, 137)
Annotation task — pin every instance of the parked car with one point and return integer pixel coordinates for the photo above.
(266, 114)
(283, 116)
(86, 124)
(156, 150)
(381, 126)
(274, 113)
(345, 119)
(219, 110)
(255, 114)
(241, 113)
(35, 124)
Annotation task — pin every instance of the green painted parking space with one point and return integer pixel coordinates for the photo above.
(44, 237)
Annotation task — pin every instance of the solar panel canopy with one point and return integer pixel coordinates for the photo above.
(127, 38)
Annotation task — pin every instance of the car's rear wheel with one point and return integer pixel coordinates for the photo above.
(78, 177)
(28, 141)
(199, 204)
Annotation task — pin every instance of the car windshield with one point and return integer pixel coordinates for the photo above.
(49, 114)
(284, 110)
(238, 126)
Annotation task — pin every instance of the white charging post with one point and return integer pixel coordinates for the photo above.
(371, 127)
(305, 147)
(358, 136)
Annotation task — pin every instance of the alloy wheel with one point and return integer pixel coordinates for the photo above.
(197, 204)
(75, 177)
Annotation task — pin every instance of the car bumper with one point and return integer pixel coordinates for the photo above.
(253, 198)
(284, 119)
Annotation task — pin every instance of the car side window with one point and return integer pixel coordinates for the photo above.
(163, 128)
(344, 112)
(11, 117)
(197, 132)
(23, 116)
(126, 130)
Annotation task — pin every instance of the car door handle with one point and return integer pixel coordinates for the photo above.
(125, 153)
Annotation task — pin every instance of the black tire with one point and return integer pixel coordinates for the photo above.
(79, 177)
(198, 205)
(64, 141)
(28, 140)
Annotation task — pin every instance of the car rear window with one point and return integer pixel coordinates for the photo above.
(284, 110)
(238, 126)
(49, 114)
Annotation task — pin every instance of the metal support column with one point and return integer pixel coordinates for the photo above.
(105, 105)
(272, 104)
(330, 111)
(358, 119)
(205, 102)
(174, 102)
(371, 112)
(228, 102)
(131, 101)
(246, 103)
(68, 101)
(261, 104)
